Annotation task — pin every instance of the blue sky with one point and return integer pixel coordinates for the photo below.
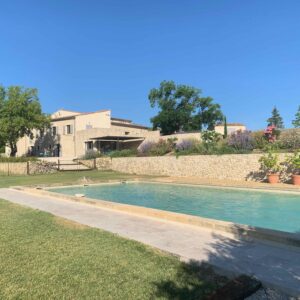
(107, 54)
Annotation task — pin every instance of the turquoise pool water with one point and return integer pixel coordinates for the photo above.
(280, 211)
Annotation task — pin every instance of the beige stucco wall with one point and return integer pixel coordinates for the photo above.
(230, 129)
(93, 120)
(183, 136)
(233, 166)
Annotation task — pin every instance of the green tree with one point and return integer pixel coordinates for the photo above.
(296, 122)
(20, 113)
(276, 119)
(225, 128)
(181, 107)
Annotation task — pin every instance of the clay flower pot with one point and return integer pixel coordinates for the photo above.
(296, 179)
(273, 178)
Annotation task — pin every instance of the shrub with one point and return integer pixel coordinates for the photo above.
(241, 140)
(162, 147)
(123, 153)
(91, 154)
(210, 138)
(293, 163)
(271, 133)
(289, 139)
(17, 159)
(259, 140)
(145, 148)
(270, 162)
(186, 145)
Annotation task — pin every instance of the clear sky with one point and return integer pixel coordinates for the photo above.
(107, 54)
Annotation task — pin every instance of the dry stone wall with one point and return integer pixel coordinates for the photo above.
(233, 166)
(24, 168)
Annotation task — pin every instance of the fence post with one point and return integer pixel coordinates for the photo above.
(8, 169)
(28, 168)
(58, 162)
(95, 164)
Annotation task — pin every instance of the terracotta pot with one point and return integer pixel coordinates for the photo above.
(273, 178)
(296, 179)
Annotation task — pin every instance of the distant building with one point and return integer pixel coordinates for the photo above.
(72, 134)
(231, 127)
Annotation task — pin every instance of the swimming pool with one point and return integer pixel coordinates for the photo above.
(272, 210)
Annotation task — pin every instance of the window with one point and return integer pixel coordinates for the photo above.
(89, 145)
(68, 129)
(54, 130)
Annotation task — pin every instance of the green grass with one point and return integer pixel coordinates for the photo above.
(45, 257)
(62, 178)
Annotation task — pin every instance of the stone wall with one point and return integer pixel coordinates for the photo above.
(13, 168)
(233, 166)
(24, 168)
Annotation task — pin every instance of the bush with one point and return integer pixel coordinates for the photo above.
(145, 148)
(17, 159)
(186, 145)
(270, 162)
(91, 154)
(160, 148)
(210, 138)
(123, 153)
(259, 140)
(289, 139)
(241, 140)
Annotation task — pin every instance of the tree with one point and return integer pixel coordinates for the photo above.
(225, 128)
(182, 108)
(296, 122)
(20, 113)
(275, 119)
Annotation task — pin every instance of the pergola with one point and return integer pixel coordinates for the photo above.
(117, 139)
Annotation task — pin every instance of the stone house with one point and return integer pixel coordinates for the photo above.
(73, 133)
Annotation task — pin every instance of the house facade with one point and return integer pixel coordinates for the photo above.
(72, 134)
(231, 128)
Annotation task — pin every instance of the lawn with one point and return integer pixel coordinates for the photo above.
(46, 257)
(63, 178)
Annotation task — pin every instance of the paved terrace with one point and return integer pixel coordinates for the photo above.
(274, 265)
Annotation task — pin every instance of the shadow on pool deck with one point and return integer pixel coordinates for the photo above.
(231, 257)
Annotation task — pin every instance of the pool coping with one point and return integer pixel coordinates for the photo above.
(239, 230)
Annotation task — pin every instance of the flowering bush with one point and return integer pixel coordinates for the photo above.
(162, 147)
(290, 139)
(145, 148)
(241, 140)
(271, 133)
(185, 145)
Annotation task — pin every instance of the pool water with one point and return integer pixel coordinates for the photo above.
(279, 211)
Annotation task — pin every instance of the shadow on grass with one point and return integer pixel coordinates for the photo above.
(193, 281)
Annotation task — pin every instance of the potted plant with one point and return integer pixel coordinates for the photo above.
(270, 164)
(294, 162)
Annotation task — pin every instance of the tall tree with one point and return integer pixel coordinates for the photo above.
(20, 113)
(225, 128)
(296, 122)
(275, 119)
(181, 107)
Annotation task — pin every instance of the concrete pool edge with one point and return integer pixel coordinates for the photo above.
(239, 230)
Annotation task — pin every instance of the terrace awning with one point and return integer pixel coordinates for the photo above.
(110, 138)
